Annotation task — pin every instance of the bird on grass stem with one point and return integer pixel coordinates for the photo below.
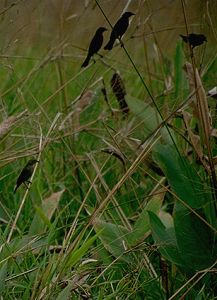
(119, 29)
(25, 174)
(95, 45)
(194, 39)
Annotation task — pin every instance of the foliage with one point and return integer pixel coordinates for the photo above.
(121, 205)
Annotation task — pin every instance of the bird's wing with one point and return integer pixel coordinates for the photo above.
(120, 27)
(95, 44)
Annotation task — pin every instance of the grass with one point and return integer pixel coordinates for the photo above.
(120, 207)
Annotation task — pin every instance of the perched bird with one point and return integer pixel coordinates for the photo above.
(119, 29)
(194, 39)
(26, 173)
(95, 45)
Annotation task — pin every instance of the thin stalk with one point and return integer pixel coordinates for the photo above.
(145, 85)
(205, 136)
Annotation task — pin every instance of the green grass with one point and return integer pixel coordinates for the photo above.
(138, 223)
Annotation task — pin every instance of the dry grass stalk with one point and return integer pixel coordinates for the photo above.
(204, 119)
(195, 139)
(83, 102)
(7, 124)
(114, 152)
(199, 104)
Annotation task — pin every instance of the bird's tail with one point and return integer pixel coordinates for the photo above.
(16, 187)
(86, 62)
(110, 44)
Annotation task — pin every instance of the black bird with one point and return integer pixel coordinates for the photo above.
(95, 45)
(26, 173)
(194, 39)
(119, 29)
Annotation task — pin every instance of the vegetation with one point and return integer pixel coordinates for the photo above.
(123, 201)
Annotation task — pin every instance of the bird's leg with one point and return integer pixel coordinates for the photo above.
(192, 52)
(122, 44)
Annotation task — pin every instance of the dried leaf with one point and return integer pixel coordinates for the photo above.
(213, 92)
(118, 89)
(195, 140)
(50, 204)
(205, 117)
(44, 213)
(201, 109)
(6, 125)
(214, 132)
(85, 100)
(190, 76)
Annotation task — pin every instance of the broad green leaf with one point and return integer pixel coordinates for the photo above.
(4, 216)
(77, 254)
(166, 219)
(44, 213)
(144, 112)
(141, 227)
(66, 292)
(18, 246)
(42, 217)
(195, 240)
(15, 246)
(182, 176)
(165, 238)
(3, 275)
(114, 238)
(149, 116)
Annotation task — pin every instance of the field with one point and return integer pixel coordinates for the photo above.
(122, 203)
